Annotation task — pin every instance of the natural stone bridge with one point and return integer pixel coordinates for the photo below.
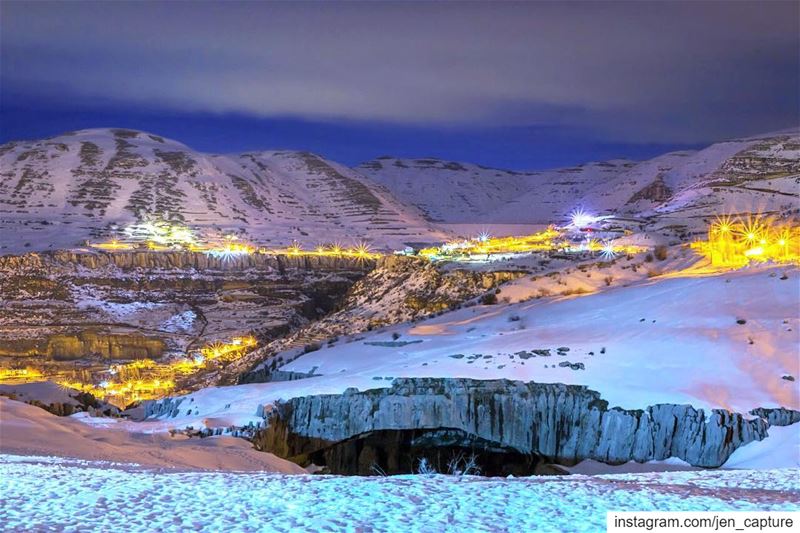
(514, 427)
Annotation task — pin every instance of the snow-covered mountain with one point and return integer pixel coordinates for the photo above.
(453, 192)
(63, 189)
(57, 192)
(753, 174)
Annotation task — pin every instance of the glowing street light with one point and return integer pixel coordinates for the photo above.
(581, 219)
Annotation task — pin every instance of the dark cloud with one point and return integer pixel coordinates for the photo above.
(646, 71)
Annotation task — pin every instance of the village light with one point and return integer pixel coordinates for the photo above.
(733, 243)
(581, 219)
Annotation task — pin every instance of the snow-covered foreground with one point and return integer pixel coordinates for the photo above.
(29, 430)
(53, 494)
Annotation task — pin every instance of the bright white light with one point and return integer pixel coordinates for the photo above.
(608, 251)
(198, 359)
(581, 219)
(483, 236)
(104, 384)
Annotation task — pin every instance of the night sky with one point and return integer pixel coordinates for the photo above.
(516, 85)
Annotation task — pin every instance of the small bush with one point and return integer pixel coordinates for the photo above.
(514, 318)
(570, 292)
(648, 258)
(660, 252)
(489, 299)
(395, 336)
(313, 347)
(609, 280)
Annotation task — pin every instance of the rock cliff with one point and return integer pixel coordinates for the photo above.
(399, 289)
(556, 423)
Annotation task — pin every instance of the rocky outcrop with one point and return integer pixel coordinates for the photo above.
(168, 407)
(656, 192)
(86, 343)
(57, 400)
(559, 424)
(399, 289)
(779, 416)
(181, 260)
(82, 305)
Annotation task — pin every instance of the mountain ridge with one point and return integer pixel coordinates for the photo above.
(62, 190)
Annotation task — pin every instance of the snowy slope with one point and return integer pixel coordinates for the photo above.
(660, 340)
(29, 430)
(61, 190)
(673, 340)
(760, 173)
(102, 497)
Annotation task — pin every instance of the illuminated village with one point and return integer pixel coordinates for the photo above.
(734, 242)
(731, 244)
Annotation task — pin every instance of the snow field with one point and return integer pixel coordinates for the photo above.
(82, 496)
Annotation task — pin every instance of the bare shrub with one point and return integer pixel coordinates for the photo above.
(544, 293)
(425, 468)
(463, 466)
(313, 347)
(577, 290)
(660, 252)
(489, 299)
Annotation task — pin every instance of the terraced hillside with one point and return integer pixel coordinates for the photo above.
(57, 192)
(760, 173)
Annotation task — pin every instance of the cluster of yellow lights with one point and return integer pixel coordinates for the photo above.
(358, 251)
(142, 379)
(113, 245)
(163, 236)
(19, 374)
(734, 242)
(486, 245)
(228, 351)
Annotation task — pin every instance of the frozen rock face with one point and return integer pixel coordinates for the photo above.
(561, 424)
